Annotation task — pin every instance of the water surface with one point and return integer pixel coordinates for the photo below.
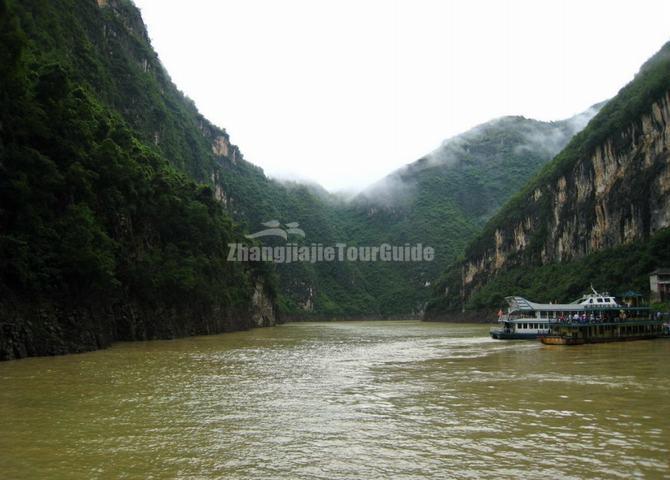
(370, 400)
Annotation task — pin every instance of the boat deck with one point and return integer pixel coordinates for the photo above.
(576, 333)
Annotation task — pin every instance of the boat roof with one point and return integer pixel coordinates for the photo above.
(522, 304)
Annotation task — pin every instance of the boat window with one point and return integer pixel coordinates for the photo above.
(600, 300)
(590, 300)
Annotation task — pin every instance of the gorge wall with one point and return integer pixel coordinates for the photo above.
(608, 189)
(620, 194)
(108, 229)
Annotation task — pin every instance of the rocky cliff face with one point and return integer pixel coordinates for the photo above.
(263, 308)
(47, 328)
(619, 194)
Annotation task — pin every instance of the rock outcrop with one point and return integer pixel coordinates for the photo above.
(619, 194)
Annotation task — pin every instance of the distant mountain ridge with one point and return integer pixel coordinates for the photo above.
(445, 198)
(531, 136)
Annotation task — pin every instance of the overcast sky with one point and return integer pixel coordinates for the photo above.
(342, 92)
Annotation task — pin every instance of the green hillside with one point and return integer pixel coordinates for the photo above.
(101, 238)
(444, 199)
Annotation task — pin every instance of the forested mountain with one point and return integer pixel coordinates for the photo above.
(597, 214)
(118, 199)
(444, 199)
(105, 233)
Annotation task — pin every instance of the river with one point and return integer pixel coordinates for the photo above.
(368, 400)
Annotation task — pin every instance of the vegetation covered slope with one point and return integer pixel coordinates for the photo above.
(100, 237)
(444, 199)
(102, 48)
(118, 197)
(599, 212)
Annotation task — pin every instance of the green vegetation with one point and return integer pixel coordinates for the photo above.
(109, 125)
(92, 216)
(104, 122)
(444, 199)
(614, 270)
(112, 195)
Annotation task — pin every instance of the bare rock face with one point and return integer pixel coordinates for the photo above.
(308, 304)
(220, 146)
(617, 195)
(263, 308)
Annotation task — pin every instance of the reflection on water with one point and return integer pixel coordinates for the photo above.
(340, 400)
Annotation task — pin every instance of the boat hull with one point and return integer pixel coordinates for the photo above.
(562, 340)
(502, 335)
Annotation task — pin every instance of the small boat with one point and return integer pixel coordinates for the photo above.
(530, 320)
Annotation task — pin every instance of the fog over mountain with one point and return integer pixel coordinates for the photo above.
(531, 137)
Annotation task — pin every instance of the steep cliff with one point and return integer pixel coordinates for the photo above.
(103, 236)
(609, 187)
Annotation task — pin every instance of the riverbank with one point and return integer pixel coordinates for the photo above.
(45, 328)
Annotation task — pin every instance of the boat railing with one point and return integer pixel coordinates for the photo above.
(601, 321)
